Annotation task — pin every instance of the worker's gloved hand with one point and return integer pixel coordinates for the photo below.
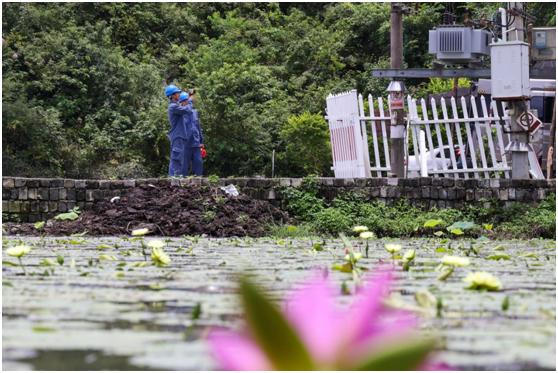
(203, 151)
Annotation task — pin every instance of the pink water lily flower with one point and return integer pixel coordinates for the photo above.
(335, 338)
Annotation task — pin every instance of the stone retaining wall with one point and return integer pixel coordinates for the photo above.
(34, 199)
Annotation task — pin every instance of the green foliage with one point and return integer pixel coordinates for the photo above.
(306, 139)
(331, 220)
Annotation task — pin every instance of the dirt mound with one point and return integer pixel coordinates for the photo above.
(170, 211)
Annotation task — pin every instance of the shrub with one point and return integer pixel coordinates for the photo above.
(332, 220)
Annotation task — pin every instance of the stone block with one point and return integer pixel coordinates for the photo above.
(56, 183)
(451, 194)
(19, 182)
(62, 193)
(6, 194)
(32, 193)
(62, 207)
(392, 192)
(469, 195)
(374, 192)
(448, 182)
(425, 181)
(22, 193)
(286, 182)
(392, 181)
(97, 195)
(43, 194)
(470, 183)
(434, 192)
(360, 182)
(495, 183)
(442, 204)
(81, 205)
(71, 194)
(52, 206)
(80, 184)
(271, 194)
(69, 183)
(14, 194)
(80, 195)
(24, 207)
(503, 194)
(54, 194)
(460, 183)
(443, 193)
(14, 206)
(8, 183)
(44, 183)
(436, 181)
(70, 205)
(425, 192)
(383, 192)
(5, 206)
(91, 184)
(89, 195)
(541, 194)
(298, 182)
(35, 206)
(460, 193)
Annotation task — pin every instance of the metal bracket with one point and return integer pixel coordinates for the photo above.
(431, 73)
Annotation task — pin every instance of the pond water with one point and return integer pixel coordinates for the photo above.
(92, 314)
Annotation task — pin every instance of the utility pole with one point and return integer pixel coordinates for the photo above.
(519, 137)
(397, 130)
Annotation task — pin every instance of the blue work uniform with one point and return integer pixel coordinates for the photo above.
(192, 153)
(178, 136)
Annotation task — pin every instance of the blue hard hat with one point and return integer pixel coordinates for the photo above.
(171, 90)
(183, 97)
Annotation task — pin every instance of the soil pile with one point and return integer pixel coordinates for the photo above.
(170, 211)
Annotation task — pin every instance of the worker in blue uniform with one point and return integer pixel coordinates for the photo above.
(195, 143)
(178, 134)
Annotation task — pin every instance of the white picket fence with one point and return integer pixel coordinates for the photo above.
(470, 143)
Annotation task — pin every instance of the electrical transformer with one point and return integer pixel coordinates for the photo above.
(458, 44)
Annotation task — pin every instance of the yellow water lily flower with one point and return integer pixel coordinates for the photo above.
(156, 244)
(360, 228)
(140, 232)
(392, 248)
(356, 256)
(18, 251)
(367, 235)
(159, 257)
(455, 261)
(482, 281)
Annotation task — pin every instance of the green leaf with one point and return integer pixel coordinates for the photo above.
(499, 257)
(43, 329)
(196, 312)
(274, 334)
(60, 259)
(506, 303)
(9, 264)
(401, 355)
(345, 267)
(488, 227)
(462, 225)
(457, 232)
(432, 223)
(39, 225)
(103, 246)
(67, 216)
(439, 233)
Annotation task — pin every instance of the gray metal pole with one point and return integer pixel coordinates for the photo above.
(520, 138)
(397, 129)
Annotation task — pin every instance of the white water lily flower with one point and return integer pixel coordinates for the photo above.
(360, 228)
(409, 255)
(156, 244)
(455, 261)
(392, 248)
(356, 256)
(140, 232)
(159, 257)
(366, 235)
(18, 251)
(482, 281)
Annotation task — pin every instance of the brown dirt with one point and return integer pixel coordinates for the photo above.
(170, 211)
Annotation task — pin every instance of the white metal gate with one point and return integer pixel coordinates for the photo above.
(465, 140)
(463, 146)
(346, 138)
